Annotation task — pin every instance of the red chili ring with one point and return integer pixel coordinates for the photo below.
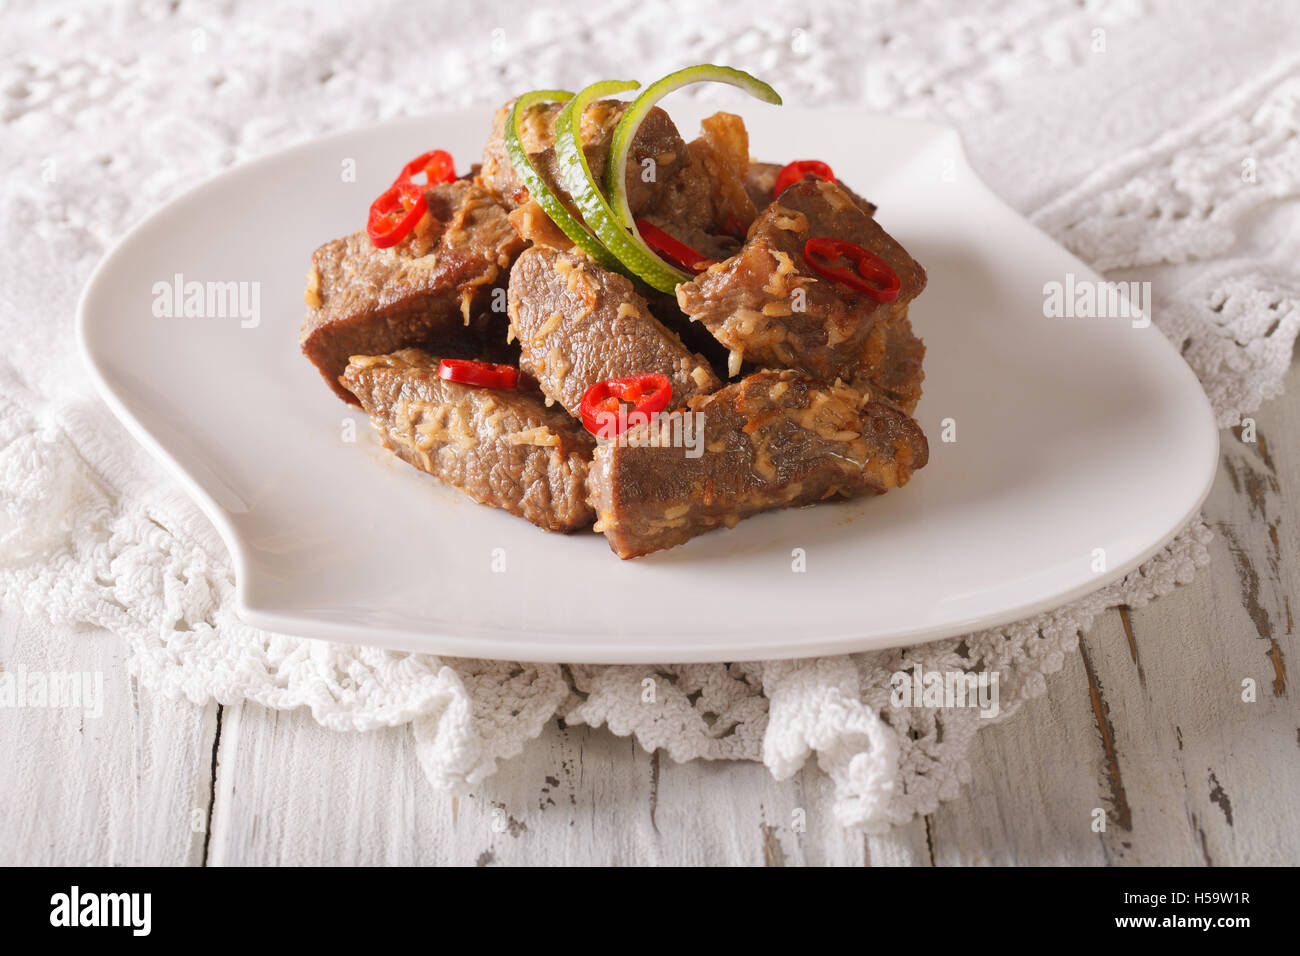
(437, 166)
(648, 394)
(395, 213)
(874, 277)
(791, 173)
(478, 374)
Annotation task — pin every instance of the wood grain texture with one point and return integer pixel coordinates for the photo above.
(1147, 725)
(128, 787)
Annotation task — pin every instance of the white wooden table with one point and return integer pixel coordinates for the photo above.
(1148, 722)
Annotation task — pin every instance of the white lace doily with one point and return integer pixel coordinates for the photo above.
(1142, 137)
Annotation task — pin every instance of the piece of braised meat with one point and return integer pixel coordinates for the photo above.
(502, 447)
(896, 375)
(656, 141)
(705, 202)
(578, 324)
(760, 184)
(433, 289)
(768, 306)
(772, 440)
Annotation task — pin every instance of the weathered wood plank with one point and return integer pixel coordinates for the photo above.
(908, 845)
(291, 792)
(1237, 760)
(1036, 780)
(1148, 721)
(128, 787)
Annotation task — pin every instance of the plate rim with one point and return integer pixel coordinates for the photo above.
(507, 643)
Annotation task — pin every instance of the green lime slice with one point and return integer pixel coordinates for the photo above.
(540, 191)
(625, 132)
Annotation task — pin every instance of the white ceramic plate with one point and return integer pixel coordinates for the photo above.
(1072, 435)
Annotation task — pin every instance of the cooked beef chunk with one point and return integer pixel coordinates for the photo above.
(578, 324)
(749, 301)
(712, 246)
(707, 196)
(696, 338)
(532, 224)
(432, 289)
(761, 181)
(503, 448)
(657, 140)
(897, 376)
(866, 205)
(773, 440)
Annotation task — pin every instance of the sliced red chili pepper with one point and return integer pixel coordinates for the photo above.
(395, 213)
(437, 166)
(791, 173)
(873, 276)
(479, 374)
(602, 410)
(678, 253)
